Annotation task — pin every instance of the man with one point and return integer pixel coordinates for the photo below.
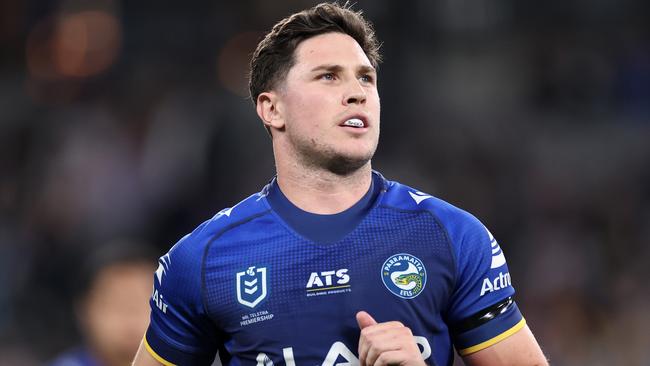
(111, 307)
(331, 263)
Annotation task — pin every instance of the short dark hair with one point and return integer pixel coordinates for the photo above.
(274, 55)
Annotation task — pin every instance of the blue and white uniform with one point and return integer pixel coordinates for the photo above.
(265, 283)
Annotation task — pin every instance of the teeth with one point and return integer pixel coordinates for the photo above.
(353, 122)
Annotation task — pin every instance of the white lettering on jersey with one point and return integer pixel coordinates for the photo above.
(426, 347)
(338, 349)
(163, 266)
(158, 300)
(500, 282)
(316, 279)
(342, 276)
(263, 360)
(288, 356)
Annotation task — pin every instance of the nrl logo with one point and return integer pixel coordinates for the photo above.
(251, 286)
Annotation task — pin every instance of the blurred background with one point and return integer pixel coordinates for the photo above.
(129, 119)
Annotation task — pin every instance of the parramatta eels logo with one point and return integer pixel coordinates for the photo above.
(404, 275)
(251, 286)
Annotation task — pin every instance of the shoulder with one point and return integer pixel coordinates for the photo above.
(194, 243)
(185, 259)
(456, 221)
(469, 240)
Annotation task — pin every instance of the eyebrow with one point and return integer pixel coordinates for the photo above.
(338, 68)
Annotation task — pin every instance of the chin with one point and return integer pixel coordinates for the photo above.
(346, 164)
(340, 160)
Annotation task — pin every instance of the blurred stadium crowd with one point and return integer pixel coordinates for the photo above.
(130, 120)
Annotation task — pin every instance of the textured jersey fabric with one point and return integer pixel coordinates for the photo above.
(250, 285)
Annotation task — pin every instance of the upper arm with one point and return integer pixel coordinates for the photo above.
(481, 310)
(180, 330)
(486, 325)
(520, 348)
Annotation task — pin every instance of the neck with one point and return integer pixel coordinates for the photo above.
(320, 191)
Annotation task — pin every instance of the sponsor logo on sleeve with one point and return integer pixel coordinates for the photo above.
(498, 283)
(158, 299)
(163, 267)
(502, 280)
(498, 259)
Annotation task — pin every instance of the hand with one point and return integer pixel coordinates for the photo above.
(389, 343)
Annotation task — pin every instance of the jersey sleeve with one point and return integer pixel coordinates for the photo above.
(180, 331)
(482, 311)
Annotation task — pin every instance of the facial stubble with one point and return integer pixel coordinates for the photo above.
(323, 157)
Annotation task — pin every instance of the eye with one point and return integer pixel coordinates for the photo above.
(366, 79)
(328, 76)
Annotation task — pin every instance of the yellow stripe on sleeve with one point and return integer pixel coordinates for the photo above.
(491, 341)
(155, 355)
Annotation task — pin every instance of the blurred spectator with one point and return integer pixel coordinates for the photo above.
(112, 305)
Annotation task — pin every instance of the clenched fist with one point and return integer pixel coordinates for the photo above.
(389, 343)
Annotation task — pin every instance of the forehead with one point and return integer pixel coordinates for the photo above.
(330, 48)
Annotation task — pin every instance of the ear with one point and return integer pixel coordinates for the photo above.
(268, 111)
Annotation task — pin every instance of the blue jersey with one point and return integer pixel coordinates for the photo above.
(266, 285)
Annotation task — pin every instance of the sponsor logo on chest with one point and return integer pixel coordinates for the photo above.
(328, 282)
(338, 355)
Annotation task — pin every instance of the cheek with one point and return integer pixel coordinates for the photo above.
(374, 102)
(308, 101)
(305, 110)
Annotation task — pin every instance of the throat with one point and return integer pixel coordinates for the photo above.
(323, 228)
(323, 192)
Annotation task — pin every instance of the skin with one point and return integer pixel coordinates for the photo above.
(115, 312)
(325, 168)
(388, 343)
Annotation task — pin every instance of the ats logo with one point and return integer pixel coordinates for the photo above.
(328, 282)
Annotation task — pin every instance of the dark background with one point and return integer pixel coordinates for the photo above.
(129, 119)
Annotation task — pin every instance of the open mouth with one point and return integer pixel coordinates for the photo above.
(354, 122)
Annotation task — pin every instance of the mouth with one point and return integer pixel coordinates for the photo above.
(355, 122)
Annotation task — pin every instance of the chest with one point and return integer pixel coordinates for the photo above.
(282, 296)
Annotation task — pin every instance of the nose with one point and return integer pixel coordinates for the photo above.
(355, 94)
